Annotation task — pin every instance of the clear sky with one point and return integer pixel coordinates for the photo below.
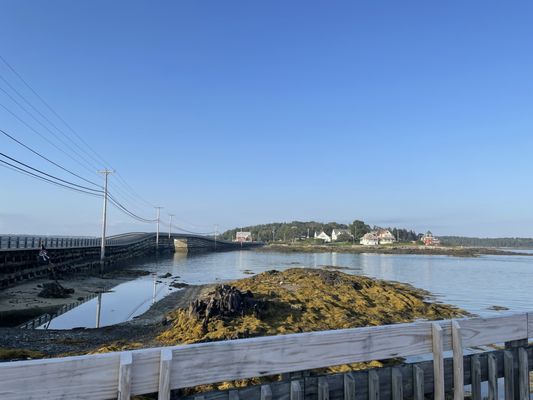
(407, 113)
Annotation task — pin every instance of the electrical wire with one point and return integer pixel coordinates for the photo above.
(46, 158)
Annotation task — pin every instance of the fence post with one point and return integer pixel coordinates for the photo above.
(438, 361)
(373, 385)
(296, 391)
(164, 374)
(508, 374)
(124, 376)
(493, 376)
(323, 388)
(349, 387)
(397, 384)
(523, 374)
(266, 392)
(458, 368)
(475, 377)
(418, 383)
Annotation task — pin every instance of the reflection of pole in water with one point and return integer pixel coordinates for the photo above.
(98, 309)
(154, 291)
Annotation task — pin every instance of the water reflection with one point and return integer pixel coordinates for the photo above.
(474, 284)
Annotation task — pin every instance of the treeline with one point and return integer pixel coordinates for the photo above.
(486, 242)
(298, 230)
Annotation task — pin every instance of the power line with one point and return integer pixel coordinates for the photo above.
(58, 116)
(21, 170)
(46, 158)
(46, 174)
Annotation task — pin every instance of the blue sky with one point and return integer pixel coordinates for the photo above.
(411, 113)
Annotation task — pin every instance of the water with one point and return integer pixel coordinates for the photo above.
(474, 284)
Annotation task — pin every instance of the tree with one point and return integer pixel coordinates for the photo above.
(359, 228)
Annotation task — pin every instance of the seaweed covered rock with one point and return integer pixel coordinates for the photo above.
(55, 290)
(225, 301)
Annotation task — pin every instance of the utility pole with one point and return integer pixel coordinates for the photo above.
(157, 232)
(170, 226)
(106, 173)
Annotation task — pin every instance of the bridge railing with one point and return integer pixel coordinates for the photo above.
(159, 370)
(20, 242)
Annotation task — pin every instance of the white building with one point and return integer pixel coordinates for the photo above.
(336, 233)
(385, 237)
(370, 239)
(323, 236)
(243, 237)
(374, 238)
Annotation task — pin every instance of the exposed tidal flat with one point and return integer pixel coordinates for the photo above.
(270, 303)
(407, 248)
(485, 285)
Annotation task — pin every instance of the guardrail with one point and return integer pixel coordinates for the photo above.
(13, 242)
(159, 370)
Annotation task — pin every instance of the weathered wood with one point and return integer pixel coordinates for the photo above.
(124, 376)
(418, 383)
(508, 374)
(396, 384)
(438, 361)
(266, 392)
(458, 369)
(492, 376)
(523, 374)
(373, 385)
(296, 391)
(349, 387)
(96, 376)
(475, 377)
(233, 395)
(164, 374)
(323, 388)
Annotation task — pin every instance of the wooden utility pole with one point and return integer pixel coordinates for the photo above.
(106, 173)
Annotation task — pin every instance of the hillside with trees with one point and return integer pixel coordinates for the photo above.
(486, 242)
(298, 230)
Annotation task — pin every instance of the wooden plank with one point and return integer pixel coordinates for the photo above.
(124, 376)
(164, 374)
(475, 377)
(458, 370)
(296, 391)
(373, 385)
(266, 392)
(438, 362)
(323, 388)
(492, 376)
(262, 356)
(418, 383)
(508, 374)
(349, 387)
(79, 377)
(523, 374)
(396, 384)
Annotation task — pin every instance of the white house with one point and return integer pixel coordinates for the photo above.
(370, 239)
(381, 236)
(336, 233)
(243, 237)
(323, 236)
(385, 237)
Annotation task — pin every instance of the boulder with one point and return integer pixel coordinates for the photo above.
(55, 290)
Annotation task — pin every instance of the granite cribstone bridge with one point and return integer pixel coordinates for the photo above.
(19, 255)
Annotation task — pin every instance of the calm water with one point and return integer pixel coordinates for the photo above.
(474, 284)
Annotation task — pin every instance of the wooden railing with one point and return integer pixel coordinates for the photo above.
(159, 370)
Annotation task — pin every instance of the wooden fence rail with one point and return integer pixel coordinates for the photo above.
(119, 375)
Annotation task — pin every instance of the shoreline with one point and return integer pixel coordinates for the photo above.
(21, 302)
(290, 301)
(393, 249)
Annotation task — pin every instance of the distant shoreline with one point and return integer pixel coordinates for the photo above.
(390, 249)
